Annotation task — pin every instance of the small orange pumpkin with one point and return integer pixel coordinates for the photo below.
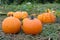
(21, 15)
(32, 26)
(17, 15)
(10, 13)
(11, 25)
(47, 17)
(24, 14)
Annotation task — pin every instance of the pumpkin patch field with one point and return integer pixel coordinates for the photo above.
(30, 22)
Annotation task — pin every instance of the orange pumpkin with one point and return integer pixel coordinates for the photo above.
(47, 17)
(11, 25)
(17, 15)
(24, 14)
(32, 26)
(10, 13)
(21, 15)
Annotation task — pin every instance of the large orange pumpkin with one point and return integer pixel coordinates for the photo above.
(10, 13)
(32, 26)
(11, 25)
(47, 17)
(21, 15)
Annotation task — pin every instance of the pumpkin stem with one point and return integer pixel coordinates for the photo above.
(32, 17)
(48, 10)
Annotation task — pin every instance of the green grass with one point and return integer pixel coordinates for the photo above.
(30, 8)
